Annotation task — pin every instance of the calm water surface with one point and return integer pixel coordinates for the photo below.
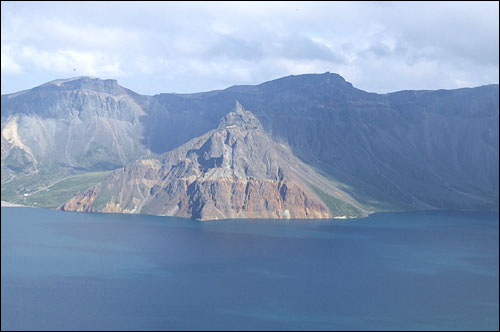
(391, 271)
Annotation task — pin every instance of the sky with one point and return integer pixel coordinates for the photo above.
(185, 47)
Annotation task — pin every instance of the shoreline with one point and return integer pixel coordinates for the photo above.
(9, 204)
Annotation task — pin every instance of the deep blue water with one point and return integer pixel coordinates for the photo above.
(391, 271)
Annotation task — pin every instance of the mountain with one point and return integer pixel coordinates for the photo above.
(60, 130)
(233, 171)
(82, 123)
(405, 150)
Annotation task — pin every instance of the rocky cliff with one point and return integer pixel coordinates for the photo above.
(234, 171)
(407, 150)
(80, 124)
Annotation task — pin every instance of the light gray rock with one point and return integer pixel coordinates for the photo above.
(234, 171)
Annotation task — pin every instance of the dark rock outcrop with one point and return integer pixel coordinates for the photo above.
(406, 150)
(234, 171)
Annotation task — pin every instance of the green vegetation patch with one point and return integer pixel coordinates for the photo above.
(337, 207)
(99, 157)
(103, 197)
(17, 160)
(36, 191)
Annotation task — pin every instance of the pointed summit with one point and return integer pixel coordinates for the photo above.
(240, 118)
(238, 108)
(234, 171)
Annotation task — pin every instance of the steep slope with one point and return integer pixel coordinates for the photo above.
(400, 151)
(234, 171)
(70, 125)
(64, 128)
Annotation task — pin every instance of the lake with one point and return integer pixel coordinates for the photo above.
(390, 271)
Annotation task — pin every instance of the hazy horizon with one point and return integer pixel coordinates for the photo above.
(229, 86)
(192, 47)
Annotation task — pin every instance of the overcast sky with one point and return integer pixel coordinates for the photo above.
(190, 47)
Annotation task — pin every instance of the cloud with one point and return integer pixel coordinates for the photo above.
(305, 48)
(59, 62)
(227, 46)
(8, 64)
(187, 47)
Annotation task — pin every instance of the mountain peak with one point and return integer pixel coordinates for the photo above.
(240, 118)
(85, 83)
(304, 82)
(238, 108)
(235, 171)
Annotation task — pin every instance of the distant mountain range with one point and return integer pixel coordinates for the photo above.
(341, 151)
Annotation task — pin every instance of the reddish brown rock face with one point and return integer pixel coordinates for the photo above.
(253, 198)
(234, 171)
(82, 202)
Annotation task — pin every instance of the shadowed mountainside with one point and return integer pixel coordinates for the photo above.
(234, 171)
(403, 150)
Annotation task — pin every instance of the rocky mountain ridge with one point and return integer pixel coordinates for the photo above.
(408, 150)
(233, 171)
